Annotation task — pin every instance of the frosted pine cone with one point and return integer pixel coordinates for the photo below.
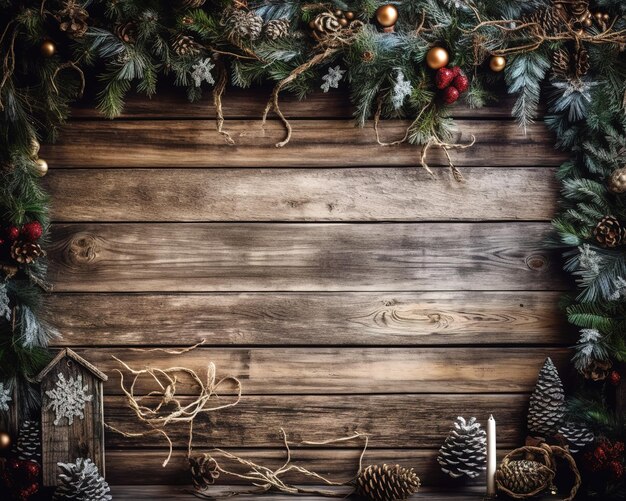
(577, 436)
(547, 402)
(465, 450)
(276, 28)
(26, 252)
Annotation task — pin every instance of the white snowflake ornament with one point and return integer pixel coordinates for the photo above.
(202, 72)
(401, 89)
(5, 397)
(332, 78)
(68, 399)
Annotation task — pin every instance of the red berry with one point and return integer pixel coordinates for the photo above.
(450, 95)
(615, 378)
(33, 469)
(444, 78)
(600, 454)
(461, 82)
(617, 469)
(456, 70)
(13, 233)
(32, 231)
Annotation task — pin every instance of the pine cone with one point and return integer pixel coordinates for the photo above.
(547, 21)
(81, 480)
(191, 4)
(609, 232)
(127, 32)
(582, 62)
(185, 45)
(617, 181)
(276, 28)
(245, 24)
(561, 63)
(547, 402)
(465, 450)
(325, 23)
(597, 370)
(387, 483)
(576, 436)
(73, 19)
(26, 252)
(204, 472)
(523, 476)
(28, 446)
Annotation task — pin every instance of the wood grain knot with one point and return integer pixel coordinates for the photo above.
(83, 249)
(536, 262)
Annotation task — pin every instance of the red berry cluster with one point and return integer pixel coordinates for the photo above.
(607, 458)
(614, 378)
(22, 478)
(29, 232)
(453, 82)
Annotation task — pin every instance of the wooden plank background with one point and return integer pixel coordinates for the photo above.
(346, 288)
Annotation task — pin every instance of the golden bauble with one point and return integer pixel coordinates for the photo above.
(47, 48)
(617, 181)
(41, 167)
(34, 148)
(497, 63)
(343, 21)
(605, 17)
(338, 13)
(437, 57)
(5, 441)
(387, 15)
(349, 15)
(588, 22)
(312, 24)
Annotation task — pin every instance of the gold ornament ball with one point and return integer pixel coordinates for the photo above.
(47, 48)
(497, 63)
(343, 21)
(338, 13)
(605, 17)
(5, 441)
(588, 22)
(41, 167)
(387, 15)
(349, 15)
(437, 57)
(617, 181)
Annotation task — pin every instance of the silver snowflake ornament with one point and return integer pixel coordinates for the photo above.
(332, 78)
(68, 399)
(202, 72)
(401, 89)
(5, 397)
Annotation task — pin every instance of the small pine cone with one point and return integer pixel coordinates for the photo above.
(26, 252)
(185, 45)
(127, 32)
(617, 181)
(561, 63)
(245, 24)
(387, 483)
(547, 21)
(276, 28)
(523, 476)
(597, 370)
(325, 23)
(204, 472)
(73, 19)
(576, 436)
(191, 4)
(582, 62)
(609, 232)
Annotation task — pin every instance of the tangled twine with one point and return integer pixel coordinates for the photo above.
(160, 415)
(266, 479)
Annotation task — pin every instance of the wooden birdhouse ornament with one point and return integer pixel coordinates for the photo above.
(72, 421)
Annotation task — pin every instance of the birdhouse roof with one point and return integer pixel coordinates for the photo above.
(66, 352)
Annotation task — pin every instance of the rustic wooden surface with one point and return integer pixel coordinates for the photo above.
(346, 288)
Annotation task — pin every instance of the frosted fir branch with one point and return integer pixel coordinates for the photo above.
(591, 346)
(401, 90)
(5, 308)
(32, 332)
(589, 260)
(5, 397)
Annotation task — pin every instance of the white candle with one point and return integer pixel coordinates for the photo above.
(491, 457)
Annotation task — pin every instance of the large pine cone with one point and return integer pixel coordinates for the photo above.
(387, 483)
(245, 24)
(617, 181)
(26, 252)
(325, 23)
(609, 232)
(276, 28)
(185, 45)
(204, 472)
(597, 370)
(73, 19)
(524, 477)
(464, 452)
(547, 402)
(576, 436)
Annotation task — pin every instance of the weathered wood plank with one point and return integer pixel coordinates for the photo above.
(322, 371)
(385, 194)
(315, 143)
(249, 103)
(393, 421)
(445, 318)
(141, 467)
(301, 257)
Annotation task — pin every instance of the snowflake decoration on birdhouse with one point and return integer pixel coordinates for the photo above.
(68, 399)
(202, 72)
(401, 89)
(5, 397)
(332, 78)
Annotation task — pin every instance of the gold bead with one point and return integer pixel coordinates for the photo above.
(497, 63)
(338, 13)
(47, 48)
(312, 25)
(437, 57)
(349, 15)
(387, 15)
(605, 17)
(343, 21)
(5, 441)
(598, 16)
(34, 147)
(588, 23)
(41, 167)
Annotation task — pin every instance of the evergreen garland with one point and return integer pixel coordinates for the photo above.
(558, 50)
